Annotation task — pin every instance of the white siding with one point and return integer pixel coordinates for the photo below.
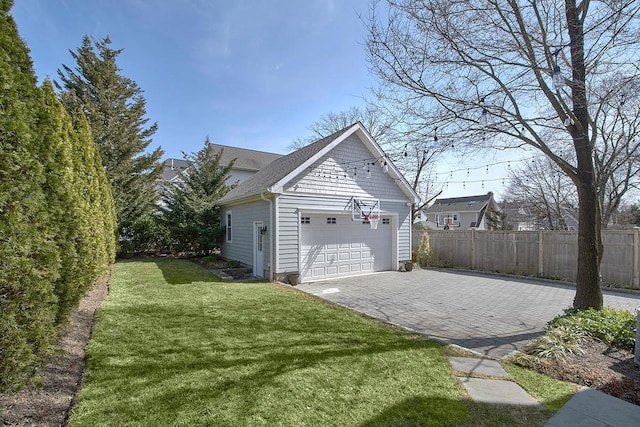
(243, 217)
(290, 205)
(334, 174)
(404, 227)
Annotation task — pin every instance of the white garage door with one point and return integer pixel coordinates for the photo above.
(334, 245)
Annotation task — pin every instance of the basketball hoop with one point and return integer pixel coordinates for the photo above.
(373, 221)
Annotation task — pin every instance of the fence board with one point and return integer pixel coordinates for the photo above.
(522, 252)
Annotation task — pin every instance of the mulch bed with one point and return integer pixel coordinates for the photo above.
(602, 367)
(50, 404)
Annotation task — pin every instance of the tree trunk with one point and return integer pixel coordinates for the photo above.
(588, 290)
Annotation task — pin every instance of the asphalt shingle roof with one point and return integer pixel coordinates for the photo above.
(278, 169)
(244, 159)
(251, 160)
(460, 204)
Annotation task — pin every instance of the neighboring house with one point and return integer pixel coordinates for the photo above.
(461, 212)
(298, 219)
(522, 217)
(246, 163)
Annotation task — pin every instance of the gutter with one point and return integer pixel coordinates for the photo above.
(271, 234)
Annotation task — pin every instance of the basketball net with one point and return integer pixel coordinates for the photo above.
(373, 221)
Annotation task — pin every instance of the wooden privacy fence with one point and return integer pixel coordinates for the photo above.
(551, 254)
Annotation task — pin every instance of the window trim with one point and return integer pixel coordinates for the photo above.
(451, 219)
(229, 227)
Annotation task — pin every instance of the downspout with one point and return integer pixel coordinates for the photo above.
(271, 234)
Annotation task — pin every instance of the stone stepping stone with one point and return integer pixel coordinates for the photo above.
(590, 407)
(497, 392)
(469, 365)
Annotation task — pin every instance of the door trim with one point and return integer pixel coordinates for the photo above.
(258, 256)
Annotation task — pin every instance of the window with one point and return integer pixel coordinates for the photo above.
(229, 227)
(305, 220)
(331, 220)
(448, 219)
(386, 221)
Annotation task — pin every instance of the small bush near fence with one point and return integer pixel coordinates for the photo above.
(426, 257)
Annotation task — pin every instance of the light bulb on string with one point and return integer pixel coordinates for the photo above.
(368, 173)
(557, 78)
(385, 167)
(484, 118)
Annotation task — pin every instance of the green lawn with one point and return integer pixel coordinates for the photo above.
(175, 346)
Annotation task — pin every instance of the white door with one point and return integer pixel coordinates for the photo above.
(258, 255)
(335, 245)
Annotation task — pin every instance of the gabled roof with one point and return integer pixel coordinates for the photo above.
(273, 177)
(460, 204)
(245, 159)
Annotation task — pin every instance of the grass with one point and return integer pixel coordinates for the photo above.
(175, 346)
(551, 392)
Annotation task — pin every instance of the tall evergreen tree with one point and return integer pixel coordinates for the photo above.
(56, 235)
(29, 258)
(190, 211)
(115, 107)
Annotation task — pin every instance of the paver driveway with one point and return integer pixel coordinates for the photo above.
(492, 315)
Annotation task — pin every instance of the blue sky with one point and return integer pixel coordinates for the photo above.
(247, 73)
(250, 73)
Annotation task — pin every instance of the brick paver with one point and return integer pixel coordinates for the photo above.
(492, 315)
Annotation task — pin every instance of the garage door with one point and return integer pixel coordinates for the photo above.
(334, 245)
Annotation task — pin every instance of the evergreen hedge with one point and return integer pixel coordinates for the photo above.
(57, 220)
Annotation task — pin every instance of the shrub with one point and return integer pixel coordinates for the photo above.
(425, 256)
(612, 326)
(556, 343)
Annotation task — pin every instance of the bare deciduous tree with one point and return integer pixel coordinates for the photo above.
(617, 145)
(503, 72)
(409, 148)
(541, 188)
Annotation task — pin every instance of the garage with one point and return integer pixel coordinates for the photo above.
(335, 245)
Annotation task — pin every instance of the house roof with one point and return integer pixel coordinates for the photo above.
(171, 166)
(273, 177)
(460, 204)
(244, 159)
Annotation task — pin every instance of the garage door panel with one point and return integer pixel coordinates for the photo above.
(343, 248)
